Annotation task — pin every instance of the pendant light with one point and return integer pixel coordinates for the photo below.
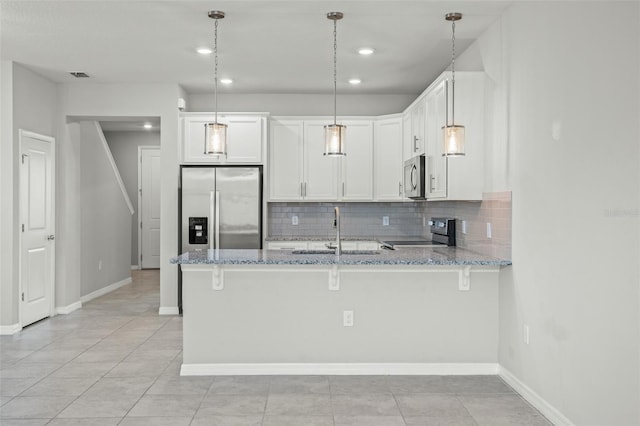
(453, 133)
(215, 134)
(334, 134)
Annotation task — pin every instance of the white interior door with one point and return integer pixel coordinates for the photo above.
(149, 207)
(37, 246)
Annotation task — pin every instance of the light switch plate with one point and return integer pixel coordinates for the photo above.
(294, 220)
(488, 230)
(385, 220)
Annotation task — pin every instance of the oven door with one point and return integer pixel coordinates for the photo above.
(414, 172)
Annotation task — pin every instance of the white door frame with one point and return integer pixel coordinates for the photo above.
(140, 149)
(21, 135)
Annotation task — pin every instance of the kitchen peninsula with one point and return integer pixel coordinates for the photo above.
(416, 311)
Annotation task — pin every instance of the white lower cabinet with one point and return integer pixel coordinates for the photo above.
(321, 245)
(246, 137)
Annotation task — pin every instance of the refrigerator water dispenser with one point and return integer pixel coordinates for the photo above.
(198, 230)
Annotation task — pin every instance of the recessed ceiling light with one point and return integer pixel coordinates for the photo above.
(365, 51)
(355, 81)
(226, 81)
(148, 126)
(204, 50)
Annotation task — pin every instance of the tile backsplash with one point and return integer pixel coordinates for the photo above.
(406, 219)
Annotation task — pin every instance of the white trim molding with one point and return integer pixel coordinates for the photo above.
(339, 369)
(135, 267)
(116, 172)
(168, 310)
(6, 330)
(105, 290)
(532, 397)
(65, 310)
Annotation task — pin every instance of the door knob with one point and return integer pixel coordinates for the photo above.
(51, 237)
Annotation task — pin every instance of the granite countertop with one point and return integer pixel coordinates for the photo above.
(406, 256)
(332, 238)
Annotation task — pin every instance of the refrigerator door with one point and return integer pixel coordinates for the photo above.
(198, 208)
(238, 208)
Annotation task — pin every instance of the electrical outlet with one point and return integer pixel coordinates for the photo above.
(294, 220)
(464, 226)
(385, 220)
(488, 230)
(525, 334)
(347, 318)
(99, 265)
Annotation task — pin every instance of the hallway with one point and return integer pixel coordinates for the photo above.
(116, 362)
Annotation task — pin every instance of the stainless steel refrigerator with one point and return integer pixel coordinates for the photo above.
(220, 208)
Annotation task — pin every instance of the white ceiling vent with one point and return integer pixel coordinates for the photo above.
(79, 74)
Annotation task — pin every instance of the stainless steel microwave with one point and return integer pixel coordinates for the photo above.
(414, 177)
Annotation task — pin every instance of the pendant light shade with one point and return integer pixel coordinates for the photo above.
(215, 134)
(454, 134)
(334, 134)
(215, 138)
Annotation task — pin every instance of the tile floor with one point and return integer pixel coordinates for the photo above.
(116, 362)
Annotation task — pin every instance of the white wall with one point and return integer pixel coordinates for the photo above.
(565, 76)
(105, 218)
(301, 104)
(124, 148)
(29, 103)
(139, 100)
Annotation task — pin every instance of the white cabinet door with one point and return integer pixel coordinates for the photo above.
(245, 137)
(320, 171)
(286, 245)
(286, 160)
(357, 165)
(387, 155)
(436, 175)
(407, 137)
(418, 117)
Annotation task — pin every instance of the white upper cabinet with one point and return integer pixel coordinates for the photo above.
(299, 170)
(320, 171)
(456, 178)
(387, 156)
(285, 160)
(418, 117)
(246, 137)
(357, 166)
(436, 174)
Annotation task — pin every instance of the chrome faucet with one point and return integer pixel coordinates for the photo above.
(336, 224)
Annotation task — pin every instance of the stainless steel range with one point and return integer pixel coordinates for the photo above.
(443, 234)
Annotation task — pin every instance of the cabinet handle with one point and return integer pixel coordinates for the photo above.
(301, 189)
(305, 189)
(415, 143)
(343, 189)
(400, 189)
(432, 180)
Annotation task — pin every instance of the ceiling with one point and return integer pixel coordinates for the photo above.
(264, 46)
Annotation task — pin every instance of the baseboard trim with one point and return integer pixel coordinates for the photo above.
(105, 290)
(548, 410)
(6, 330)
(168, 310)
(65, 310)
(338, 369)
(135, 267)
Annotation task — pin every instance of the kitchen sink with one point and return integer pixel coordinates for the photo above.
(344, 252)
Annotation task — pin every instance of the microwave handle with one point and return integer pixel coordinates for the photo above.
(412, 177)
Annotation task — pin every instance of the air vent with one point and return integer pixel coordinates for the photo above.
(79, 74)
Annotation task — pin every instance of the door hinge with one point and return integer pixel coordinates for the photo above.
(140, 258)
(23, 156)
(140, 224)
(23, 297)
(23, 227)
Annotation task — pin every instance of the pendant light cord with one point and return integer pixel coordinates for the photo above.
(215, 75)
(335, 64)
(453, 73)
